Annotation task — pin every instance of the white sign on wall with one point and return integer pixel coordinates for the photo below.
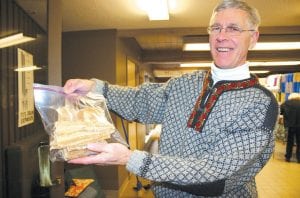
(25, 88)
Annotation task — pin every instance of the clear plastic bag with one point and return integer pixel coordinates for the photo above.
(73, 120)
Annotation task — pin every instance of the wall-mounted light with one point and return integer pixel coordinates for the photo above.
(14, 40)
(156, 9)
(258, 46)
(27, 68)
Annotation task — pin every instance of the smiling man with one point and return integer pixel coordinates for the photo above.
(217, 126)
(231, 36)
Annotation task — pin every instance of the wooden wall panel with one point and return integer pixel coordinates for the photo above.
(13, 20)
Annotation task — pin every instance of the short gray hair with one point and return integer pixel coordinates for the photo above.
(254, 17)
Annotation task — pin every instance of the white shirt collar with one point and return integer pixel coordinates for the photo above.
(238, 73)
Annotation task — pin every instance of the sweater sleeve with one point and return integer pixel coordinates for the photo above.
(145, 103)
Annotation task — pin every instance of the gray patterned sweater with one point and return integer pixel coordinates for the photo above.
(223, 159)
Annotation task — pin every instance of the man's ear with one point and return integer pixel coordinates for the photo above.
(254, 39)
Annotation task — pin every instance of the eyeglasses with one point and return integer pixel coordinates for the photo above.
(230, 30)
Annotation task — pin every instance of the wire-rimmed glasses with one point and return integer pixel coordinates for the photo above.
(230, 30)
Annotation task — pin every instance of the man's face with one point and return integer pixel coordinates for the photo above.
(231, 51)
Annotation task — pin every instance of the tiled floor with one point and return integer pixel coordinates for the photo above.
(278, 179)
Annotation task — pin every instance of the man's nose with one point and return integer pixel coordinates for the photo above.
(223, 34)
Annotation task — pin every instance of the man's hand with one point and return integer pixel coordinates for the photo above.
(78, 85)
(107, 154)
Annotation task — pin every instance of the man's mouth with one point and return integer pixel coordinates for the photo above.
(223, 49)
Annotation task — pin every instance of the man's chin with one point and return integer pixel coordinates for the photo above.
(224, 66)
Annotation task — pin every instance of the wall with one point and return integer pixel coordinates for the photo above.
(89, 54)
(54, 38)
(99, 54)
(12, 20)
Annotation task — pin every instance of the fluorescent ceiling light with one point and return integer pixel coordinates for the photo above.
(276, 46)
(196, 47)
(275, 63)
(27, 68)
(14, 40)
(156, 9)
(258, 46)
(259, 71)
(161, 73)
(207, 64)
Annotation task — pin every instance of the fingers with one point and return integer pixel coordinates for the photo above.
(70, 86)
(100, 158)
(97, 147)
(78, 85)
(107, 154)
(92, 159)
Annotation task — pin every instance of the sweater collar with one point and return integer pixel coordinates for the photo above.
(238, 73)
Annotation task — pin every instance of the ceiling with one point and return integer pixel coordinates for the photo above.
(161, 41)
(120, 14)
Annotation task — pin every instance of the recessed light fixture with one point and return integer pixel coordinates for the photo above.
(156, 9)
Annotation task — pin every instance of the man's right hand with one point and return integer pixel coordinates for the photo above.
(78, 85)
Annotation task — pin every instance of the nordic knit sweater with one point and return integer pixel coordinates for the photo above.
(222, 159)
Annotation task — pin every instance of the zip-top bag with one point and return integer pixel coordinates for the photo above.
(73, 121)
